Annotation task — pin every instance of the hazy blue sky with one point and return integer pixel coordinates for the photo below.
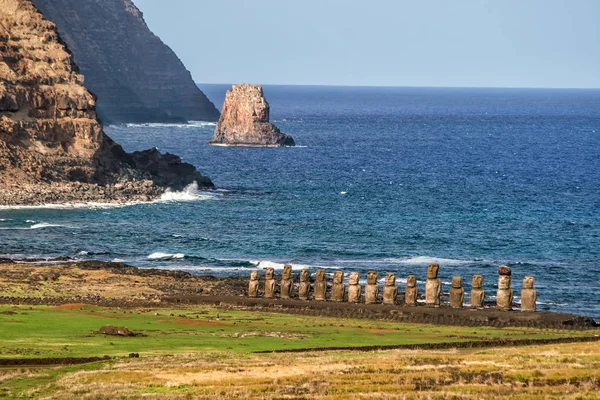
(512, 43)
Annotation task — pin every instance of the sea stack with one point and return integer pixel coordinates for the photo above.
(245, 121)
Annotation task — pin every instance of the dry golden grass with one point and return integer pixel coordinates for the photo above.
(568, 371)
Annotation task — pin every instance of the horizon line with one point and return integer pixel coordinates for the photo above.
(407, 86)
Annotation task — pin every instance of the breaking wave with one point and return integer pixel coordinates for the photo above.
(40, 225)
(165, 256)
(189, 193)
(190, 124)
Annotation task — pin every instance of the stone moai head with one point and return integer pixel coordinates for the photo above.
(477, 281)
(504, 282)
(528, 282)
(390, 279)
(254, 275)
(304, 275)
(504, 278)
(338, 277)
(433, 270)
(456, 282)
(287, 271)
(354, 278)
(372, 277)
(320, 275)
(270, 273)
(411, 281)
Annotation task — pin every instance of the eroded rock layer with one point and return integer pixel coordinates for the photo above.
(245, 120)
(52, 146)
(136, 77)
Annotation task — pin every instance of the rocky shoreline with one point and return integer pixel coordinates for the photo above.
(52, 145)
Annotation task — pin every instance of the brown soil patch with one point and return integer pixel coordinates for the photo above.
(195, 322)
(68, 307)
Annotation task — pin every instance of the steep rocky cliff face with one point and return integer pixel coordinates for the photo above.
(52, 146)
(136, 77)
(245, 120)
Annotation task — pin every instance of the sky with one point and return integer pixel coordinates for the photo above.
(453, 43)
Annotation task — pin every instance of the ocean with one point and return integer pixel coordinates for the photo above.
(388, 179)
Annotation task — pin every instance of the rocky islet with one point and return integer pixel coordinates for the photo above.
(245, 120)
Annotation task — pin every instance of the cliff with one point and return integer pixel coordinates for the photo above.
(245, 120)
(136, 77)
(52, 146)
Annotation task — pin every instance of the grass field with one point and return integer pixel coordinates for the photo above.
(70, 331)
(205, 352)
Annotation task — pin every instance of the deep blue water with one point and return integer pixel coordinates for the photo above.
(383, 178)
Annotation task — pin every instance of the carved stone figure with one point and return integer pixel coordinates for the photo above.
(304, 287)
(320, 287)
(372, 288)
(477, 293)
(433, 286)
(528, 295)
(354, 289)
(504, 296)
(339, 289)
(457, 293)
(412, 291)
(287, 284)
(269, 283)
(253, 285)
(390, 290)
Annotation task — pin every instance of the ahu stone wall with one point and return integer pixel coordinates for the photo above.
(316, 288)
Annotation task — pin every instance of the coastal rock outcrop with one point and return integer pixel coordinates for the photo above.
(52, 145)
(245, 121)
(136, 77)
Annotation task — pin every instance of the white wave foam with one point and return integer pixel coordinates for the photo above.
(549, 303)
(165, 256)
(279, 266)
(190, 124)
(40, 225)
(425, 260)
(189, 193)
(73, 206)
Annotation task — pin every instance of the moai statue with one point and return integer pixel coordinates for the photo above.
(457, 293)
(504, 296)
(269, 283)
(253, 285)
(287, 284)
(354, 289)
(320, 285)
(433, 286)
(528, 295)
(477, 293)
(390, 290)
(304, 287)
(339, 289)
(412, 291)
(372, 288)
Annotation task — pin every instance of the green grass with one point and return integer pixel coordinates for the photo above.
(40, 332)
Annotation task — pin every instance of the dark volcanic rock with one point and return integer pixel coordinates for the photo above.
(52, 146)
(115, 331)
(136, 76)
(245, 121)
